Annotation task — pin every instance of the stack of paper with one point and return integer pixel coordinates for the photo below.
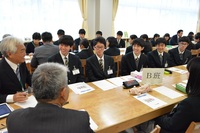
(80, 88)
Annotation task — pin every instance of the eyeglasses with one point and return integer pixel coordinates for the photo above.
(99, 47)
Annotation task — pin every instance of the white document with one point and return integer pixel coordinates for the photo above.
(127, 78)
(117, 81)
(185, 81)
(80, 88)
(104, 85)
(150, 100)
(30, 102)
(177, 70)
(137, 75)
(168, 92)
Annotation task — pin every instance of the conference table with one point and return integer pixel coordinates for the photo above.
(116, 109)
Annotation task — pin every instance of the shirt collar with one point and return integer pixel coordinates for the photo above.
(63, 57)
(160, 53)
(135, 56)
(99, 57)
(11, 64)
(180, 51)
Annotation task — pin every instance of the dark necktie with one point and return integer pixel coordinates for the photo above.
(161, 58)
(101, 64)
(19, 77)
(66, 61)
(181, 56)
(137, 61)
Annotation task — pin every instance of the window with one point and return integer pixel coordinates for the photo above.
(157, 16)
(22, 18)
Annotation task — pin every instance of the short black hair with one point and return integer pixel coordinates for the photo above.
(197, 36)
(81, 31)
(133, 36)
(120, 33)
(179, 31)
(184, 39)
(193, 85)
(144, 36)
(112, 41)
(161, 40)
(66, 40)
(167, 35)
(99, 32)
(139, 41)
(100, 40)
(84, 42)
(46, 37)
(156, 35)
(36, 36)
(60, 32)
(190, 33)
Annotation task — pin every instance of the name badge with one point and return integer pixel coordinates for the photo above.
(110, 71)
(166, 65)
(75, 71)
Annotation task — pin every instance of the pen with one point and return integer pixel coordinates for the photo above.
(142, 95)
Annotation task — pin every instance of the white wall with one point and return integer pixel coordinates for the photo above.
(99, 17)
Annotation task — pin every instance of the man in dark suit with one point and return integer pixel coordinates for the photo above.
(51, 91)
(180, 55)
(121, 42)
(158, 58)
(30, 47)
(130, 48)
(75, 73)
(197, 40)
(13, 71)
(175, 38)
(81, 33)
(100, 66)
(147, 44)
(86, 50)
(60, 33)
(98, 34)
(134, 60)
(43, 52)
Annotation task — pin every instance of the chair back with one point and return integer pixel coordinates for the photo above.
(117, 60)
(195, 52)
(83, 62)
(194, 127)
(156, 129)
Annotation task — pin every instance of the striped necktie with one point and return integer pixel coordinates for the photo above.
(137, 61)
(101, 64)
(66, 61)
(161, 58)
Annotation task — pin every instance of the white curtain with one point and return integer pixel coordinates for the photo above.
(22, 18)
(157, 16)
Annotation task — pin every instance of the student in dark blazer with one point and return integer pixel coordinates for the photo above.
(98, 34)
(75, 72)
(51, 91)
(112, 49)
(11, 83)
(167, 38)
(180, 55)
(134, 60)
(197, 40)
(86, 50)
(147, 44)
(100, 66)
(130, 48)
(60, 33)
(158, 58)
(30, 47)
(81, 33)
(121, 42)
(179, 119)
(153, 40)
(175, 38)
